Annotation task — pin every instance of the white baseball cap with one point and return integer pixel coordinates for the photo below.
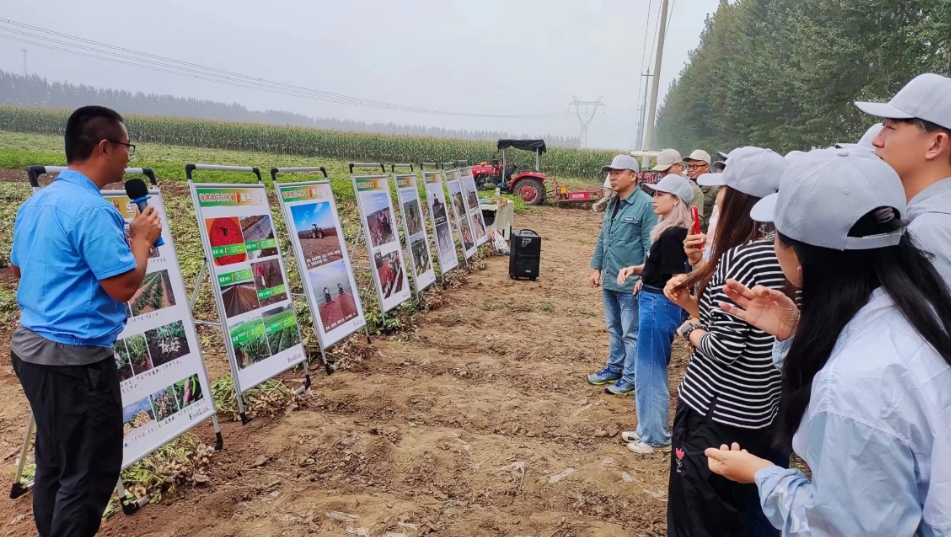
(866, 141)
(824, 193)
(676, 185)
(751, 170)
(699, 154)
(925, 97)
(793, 155)
(623, 162)
(666, 159)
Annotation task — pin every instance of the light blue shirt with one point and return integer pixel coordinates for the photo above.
(66, 238)
(876, 435)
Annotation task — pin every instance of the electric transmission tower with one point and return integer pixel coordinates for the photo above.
(582, 108)
(25, 71)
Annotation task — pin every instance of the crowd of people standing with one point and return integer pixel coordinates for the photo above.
(812, 289)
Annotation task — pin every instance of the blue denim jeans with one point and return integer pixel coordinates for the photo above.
(659, 320)
(620, 314)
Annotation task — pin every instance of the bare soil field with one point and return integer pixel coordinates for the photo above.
(479, 423)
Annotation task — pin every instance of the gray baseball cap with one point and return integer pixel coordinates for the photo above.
(720, 161)
(623, 162)
(925, 97)
(751, 170)
(676, 185)
(866, 141)
(667, 158)
(824, 193)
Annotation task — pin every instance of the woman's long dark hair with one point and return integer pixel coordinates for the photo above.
(836, 285)
(735, 227)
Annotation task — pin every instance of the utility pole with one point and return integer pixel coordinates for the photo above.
(26, 73)
(585, 123)
(641, 110)
(658, 62)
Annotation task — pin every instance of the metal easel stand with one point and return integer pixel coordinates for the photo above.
(452, 166)
(328, 367)
(407, 252)
(360, 234)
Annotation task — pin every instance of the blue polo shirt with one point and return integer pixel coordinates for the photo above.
(66, 238)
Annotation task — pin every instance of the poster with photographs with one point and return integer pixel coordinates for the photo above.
(158, 349)
(458, 205)
(471, 199)
(249, 281)
(414, 228)
(383, 241)
(317, 239)
(439, 216)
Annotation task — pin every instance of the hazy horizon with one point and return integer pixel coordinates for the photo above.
(494, 57)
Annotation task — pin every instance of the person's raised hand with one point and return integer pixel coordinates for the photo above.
(146, 226)
(767, 309)
(693, 247)
(595, 278)
(734, 463)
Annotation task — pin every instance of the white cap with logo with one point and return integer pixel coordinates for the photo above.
(666, 159)
(676, 185)
(622, 162)
(751, 170)
(824, 193)
(925, 97)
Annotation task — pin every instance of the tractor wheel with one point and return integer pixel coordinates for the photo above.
(531, 190)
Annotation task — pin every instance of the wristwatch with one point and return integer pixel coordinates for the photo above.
(687, 329)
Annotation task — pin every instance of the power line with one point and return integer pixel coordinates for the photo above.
(103, 51)
(670, 17)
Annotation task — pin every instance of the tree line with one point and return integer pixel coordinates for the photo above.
(783, 74)
(36, 91)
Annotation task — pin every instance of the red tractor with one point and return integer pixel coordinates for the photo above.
(528, 185)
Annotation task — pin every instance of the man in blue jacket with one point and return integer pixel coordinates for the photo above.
(76, 271)
(624, 241)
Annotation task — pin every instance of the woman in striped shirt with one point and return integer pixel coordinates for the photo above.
(731, 389)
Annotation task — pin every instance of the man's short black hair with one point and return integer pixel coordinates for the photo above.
(88, 126)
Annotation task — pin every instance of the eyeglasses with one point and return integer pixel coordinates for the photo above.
(696, 166)
(130, 146)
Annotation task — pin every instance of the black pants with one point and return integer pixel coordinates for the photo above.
(78, 413)
(701, 503)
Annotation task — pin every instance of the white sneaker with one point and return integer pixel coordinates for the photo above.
(645, 449)
(630, 436)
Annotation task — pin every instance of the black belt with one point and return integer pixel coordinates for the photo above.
(651, 289)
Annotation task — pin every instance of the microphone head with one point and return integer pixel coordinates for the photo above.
(135, 189)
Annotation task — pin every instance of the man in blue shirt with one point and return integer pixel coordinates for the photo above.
(624, 241)
(76, 271)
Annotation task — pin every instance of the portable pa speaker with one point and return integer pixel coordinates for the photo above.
(526, 254)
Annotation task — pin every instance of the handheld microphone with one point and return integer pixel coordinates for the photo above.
(139, 194)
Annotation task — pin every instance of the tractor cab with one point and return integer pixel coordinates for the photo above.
(528, 185)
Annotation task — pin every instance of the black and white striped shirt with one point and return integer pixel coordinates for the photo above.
(733, 365)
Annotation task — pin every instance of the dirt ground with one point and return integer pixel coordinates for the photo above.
(478, 424)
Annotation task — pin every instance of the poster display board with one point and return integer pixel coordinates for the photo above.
(165, 389)
(471, 199)
(436, 200)
(459, 213)
(313, 225)
(383, 241)
(249, 281)
(417, 240)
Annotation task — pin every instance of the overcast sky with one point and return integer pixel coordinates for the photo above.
(474, 56)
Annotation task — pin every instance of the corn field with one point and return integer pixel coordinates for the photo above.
(558, 162)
